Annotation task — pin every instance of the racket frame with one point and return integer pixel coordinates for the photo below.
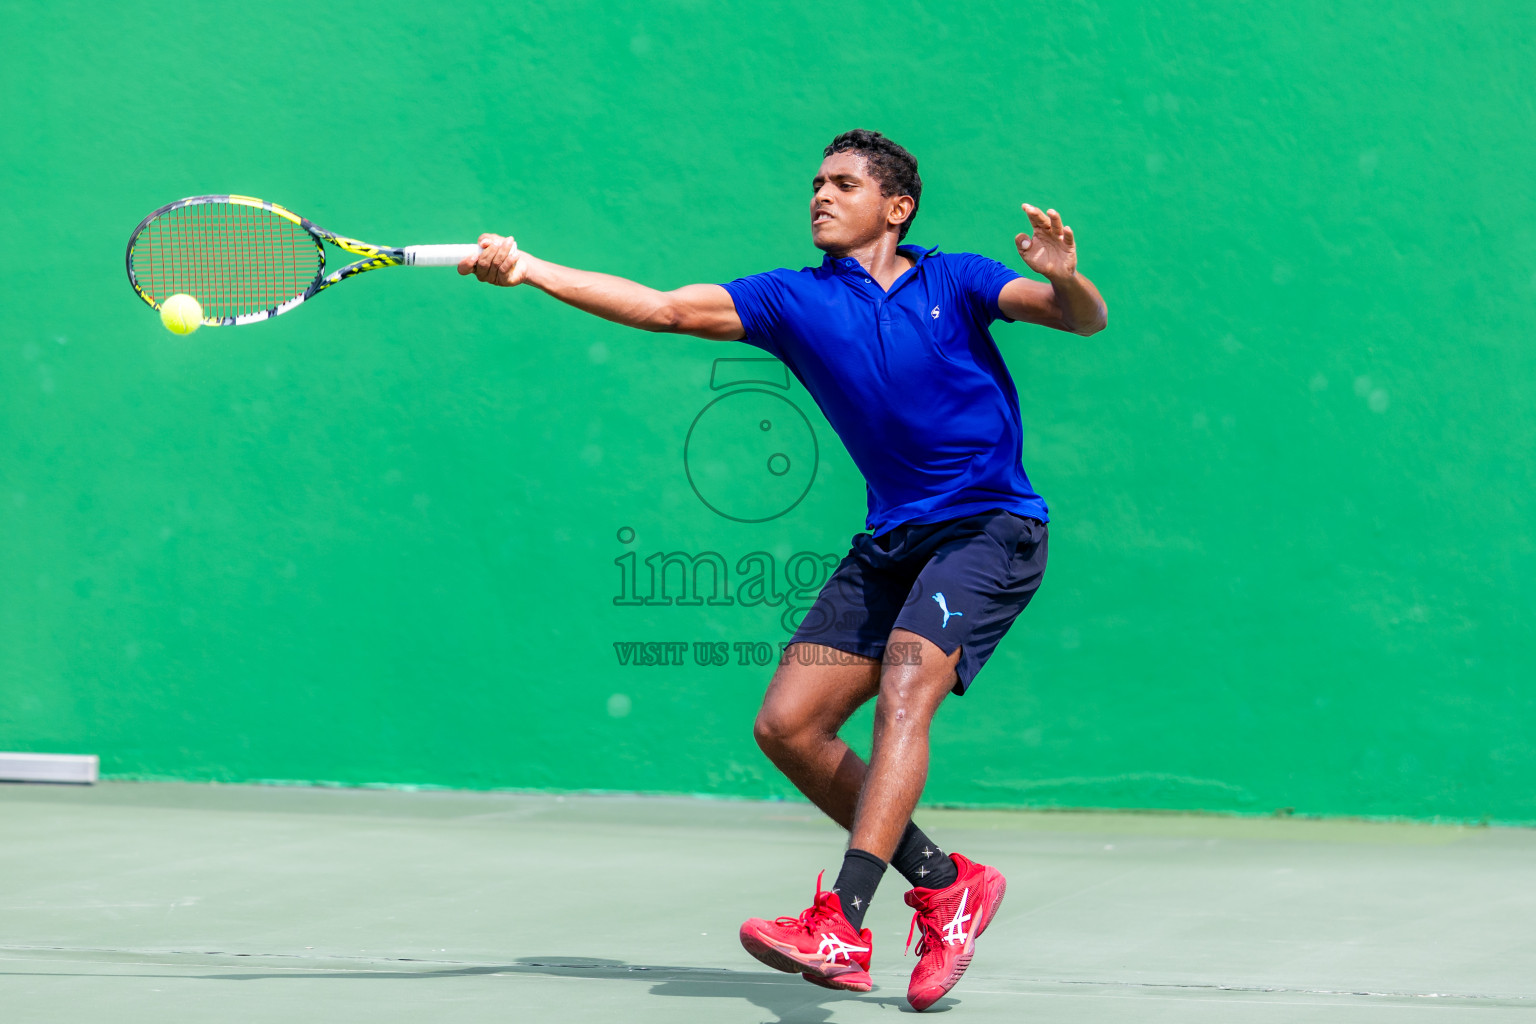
(374, 256)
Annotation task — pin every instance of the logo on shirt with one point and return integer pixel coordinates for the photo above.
(939, 597)
(935, 313)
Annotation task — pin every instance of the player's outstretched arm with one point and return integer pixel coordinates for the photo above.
(702, 310)
(1066, 299)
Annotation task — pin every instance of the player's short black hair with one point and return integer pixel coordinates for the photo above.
(892, 166)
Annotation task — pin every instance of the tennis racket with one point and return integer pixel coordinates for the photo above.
(247, 260)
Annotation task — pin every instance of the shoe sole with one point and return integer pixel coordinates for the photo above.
(774, 956)
(964, 959)
(842, 983)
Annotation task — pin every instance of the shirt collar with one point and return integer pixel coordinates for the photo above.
(849, 265)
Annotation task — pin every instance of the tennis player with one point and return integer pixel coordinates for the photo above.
(892, 342)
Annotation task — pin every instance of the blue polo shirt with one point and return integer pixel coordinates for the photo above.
(910, 379)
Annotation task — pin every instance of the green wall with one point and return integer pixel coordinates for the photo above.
(378, 540)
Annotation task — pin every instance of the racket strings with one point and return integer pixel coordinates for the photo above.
(233, 259)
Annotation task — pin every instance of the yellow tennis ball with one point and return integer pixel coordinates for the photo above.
(181, 314)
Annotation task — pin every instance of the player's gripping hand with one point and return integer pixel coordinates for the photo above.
(500, 261)
(1052, 252)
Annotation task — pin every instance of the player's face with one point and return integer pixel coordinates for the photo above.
(847, 209)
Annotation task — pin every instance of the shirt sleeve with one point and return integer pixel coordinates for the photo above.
(759, 303)
(982, 280)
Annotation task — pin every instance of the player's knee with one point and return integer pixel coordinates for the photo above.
(906, 701)
(772, 730)
(894, 709)
(779, 729)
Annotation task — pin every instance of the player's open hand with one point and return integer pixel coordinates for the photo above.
(500, 261)
(1051, 252)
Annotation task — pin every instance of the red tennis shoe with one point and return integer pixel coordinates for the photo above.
(820, 944)
(950, 921)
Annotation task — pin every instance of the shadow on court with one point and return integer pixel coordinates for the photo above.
(789, 998)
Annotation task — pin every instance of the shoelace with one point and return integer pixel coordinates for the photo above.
(923, 943)
(810, 918)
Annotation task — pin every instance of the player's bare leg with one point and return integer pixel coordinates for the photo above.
(910, 691)
(950, 914)
(813, 693)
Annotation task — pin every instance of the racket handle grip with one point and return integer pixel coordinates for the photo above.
(438, 255)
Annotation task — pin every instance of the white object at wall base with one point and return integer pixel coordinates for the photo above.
(49, 767)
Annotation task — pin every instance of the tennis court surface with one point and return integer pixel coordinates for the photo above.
(177, 902)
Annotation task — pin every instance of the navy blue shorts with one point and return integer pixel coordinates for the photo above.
(959, 583)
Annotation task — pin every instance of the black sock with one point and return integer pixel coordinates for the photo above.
(921, 862)
(856, 884)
